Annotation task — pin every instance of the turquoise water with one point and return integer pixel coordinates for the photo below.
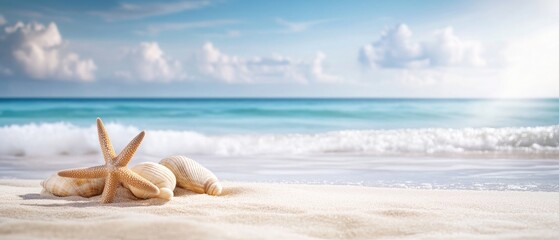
(417, 143)
(219, 116)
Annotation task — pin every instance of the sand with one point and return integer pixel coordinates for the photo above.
(282, 211)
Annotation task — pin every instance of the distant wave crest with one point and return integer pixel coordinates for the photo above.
(52, 139)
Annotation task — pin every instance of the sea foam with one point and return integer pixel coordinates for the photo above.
(52, 139)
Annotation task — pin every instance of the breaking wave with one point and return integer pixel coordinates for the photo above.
(52, 139)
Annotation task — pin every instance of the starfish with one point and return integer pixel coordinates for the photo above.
(115, 170)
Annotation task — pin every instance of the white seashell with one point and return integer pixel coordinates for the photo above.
(63, 186)
(157, 174)
(192, 176)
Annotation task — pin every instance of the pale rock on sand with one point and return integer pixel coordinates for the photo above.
(281, 211)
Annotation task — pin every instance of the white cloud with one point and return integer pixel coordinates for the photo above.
(522, 67)
(149, 63)
(396, 48)
(128, 11)
(37, 50)
(235, 69)
(446, 49)
(2, 20)
(317, 69)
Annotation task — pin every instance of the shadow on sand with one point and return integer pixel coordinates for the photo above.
(123, 199)
(227, 191)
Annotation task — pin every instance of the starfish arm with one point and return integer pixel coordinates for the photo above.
(91, 172)
(109, 192)
(135, 180)
(105, 141)
(124, 157)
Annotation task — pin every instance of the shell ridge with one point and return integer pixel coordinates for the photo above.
(192, 176)
(63, 187)
(158, 174)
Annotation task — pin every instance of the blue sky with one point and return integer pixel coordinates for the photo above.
(233, 48)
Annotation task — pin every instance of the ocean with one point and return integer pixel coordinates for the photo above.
(476, 144)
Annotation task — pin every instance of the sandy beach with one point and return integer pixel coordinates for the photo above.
(276, 211)
(296, 119)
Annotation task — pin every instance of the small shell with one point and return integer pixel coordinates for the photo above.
(63, 186)
(157, 174)
(192, 176)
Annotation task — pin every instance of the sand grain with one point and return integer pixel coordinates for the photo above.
(282, 211)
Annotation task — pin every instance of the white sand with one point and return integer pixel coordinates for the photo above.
(282, 211)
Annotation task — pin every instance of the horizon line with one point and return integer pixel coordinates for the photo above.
(276, 98)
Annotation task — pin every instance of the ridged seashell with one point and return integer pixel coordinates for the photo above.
(192, 176)
(64, 187)
(157, 174)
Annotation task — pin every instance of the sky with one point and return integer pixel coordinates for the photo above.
(235, 48)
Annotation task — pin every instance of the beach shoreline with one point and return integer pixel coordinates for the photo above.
(274, 210)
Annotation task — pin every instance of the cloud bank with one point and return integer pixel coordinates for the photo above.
(38, 51)
(147, 62)
(235, 69)
(317, 70)
(396, 48)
